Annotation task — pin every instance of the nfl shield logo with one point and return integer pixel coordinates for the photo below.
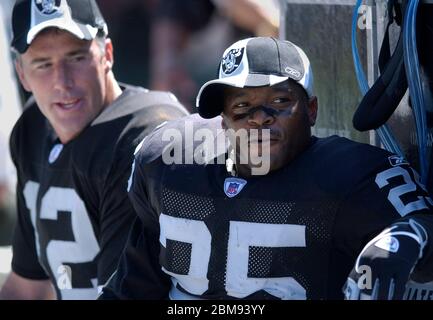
(233, 186)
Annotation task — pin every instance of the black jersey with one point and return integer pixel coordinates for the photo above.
(292, 234)
(73, 211)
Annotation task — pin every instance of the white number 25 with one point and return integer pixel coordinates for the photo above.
(242, 236)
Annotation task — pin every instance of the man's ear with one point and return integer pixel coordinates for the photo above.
(312, 110)
(21, 75)
(109, 55)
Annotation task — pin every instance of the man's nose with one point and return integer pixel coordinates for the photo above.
(260, 117)
(62, 77)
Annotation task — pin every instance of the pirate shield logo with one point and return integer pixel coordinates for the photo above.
(47, 6)
(232, 60)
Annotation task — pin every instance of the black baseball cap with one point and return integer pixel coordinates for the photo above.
(255, 62)
(82, 18)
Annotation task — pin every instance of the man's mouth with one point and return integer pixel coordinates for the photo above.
(264, 140)
(68, 104)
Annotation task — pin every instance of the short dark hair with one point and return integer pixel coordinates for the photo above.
(100, 38)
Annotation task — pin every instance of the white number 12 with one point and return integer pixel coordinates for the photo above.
(83, 249)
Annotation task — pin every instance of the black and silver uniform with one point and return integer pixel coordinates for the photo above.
(294, 233)
(73, 210)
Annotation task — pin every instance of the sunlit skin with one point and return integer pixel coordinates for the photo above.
(284, 109)
(71, 79)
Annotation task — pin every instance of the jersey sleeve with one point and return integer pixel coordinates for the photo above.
(103, 190)
(387, 194)
(139, 274)
(115, 218)
(25, 261)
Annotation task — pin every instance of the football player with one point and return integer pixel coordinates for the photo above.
(73, 148)
(222, 228)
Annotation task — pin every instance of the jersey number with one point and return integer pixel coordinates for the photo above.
(242, 236)
(83, 250)
(395, 194)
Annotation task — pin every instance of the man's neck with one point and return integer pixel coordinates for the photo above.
(113, 90)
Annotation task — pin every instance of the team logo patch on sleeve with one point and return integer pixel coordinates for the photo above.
(233, 186)
(397, 161)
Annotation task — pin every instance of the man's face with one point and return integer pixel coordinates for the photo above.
(284, 109)
(67, 77)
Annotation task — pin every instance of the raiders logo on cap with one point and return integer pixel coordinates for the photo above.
(47, 6)
(232, 60)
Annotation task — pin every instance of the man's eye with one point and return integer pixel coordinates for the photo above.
(240, 116)
(241, 105)
(43, 66)
(78, 58)
(281, 100)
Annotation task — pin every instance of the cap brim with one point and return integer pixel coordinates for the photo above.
(85, 32)
(210, 98)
